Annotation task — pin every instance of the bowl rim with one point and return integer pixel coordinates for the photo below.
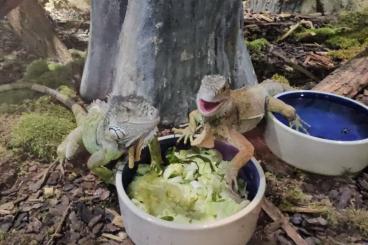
(293, 131)
(122, 196)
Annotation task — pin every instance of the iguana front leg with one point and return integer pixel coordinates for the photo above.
(71, 145)
(276, 105)
(155, 152)
(97, 161)
(195, 123)
(245, 153)
(206, 139)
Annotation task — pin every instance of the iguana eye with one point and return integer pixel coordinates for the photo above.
(116, 133)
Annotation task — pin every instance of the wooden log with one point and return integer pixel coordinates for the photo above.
(30, 22)
(348, 80)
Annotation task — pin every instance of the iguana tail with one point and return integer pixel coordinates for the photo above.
(273, 87)
(78, 111)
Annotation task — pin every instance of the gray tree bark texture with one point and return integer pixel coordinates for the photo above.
(107, 18)
(327, 7)
(164, 49)
(274, 6)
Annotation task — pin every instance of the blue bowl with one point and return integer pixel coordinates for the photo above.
(330, 117)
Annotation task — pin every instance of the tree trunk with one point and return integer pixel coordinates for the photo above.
(30, 22)
(328, 7)
(163, 50)
(7, 5)
(274, 6)
(348, 80)
(107, 18)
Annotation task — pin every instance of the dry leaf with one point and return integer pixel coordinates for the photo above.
(112, 237)
(7, 206)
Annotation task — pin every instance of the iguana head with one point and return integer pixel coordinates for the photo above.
(213, 95)
(130, 120)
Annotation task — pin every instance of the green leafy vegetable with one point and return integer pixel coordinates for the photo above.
(191, 189)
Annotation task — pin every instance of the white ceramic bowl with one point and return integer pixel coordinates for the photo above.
(237, 229)
(321, 155)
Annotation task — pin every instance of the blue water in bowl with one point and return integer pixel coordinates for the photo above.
(330, 117)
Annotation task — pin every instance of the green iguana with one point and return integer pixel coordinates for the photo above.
(226, 114)
(107, 131)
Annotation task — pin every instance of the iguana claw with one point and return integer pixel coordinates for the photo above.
(299, 125)
(186, 134)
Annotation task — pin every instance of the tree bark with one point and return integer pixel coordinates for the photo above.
(274, 6)
(348, 80)
(107, 18)
(328, 7)
(7, 5)
(163, 50)
(30, 22)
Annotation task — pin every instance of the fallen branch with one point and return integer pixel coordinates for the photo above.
(60, 225)
(293, 64)
(276, 215)
(39, 184)
(321, 60)
(294, 27)
(15, 188)
(305, 210)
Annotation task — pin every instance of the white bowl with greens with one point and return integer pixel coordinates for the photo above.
(188, 203)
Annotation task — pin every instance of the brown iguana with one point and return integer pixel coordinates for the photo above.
(107, 131)
(226, 114)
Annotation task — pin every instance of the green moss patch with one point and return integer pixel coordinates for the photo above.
(39, 134)
(346, 54)
(347, 36)
(316, 34)
(52, 74)
(257, 45)
(280, 78)
(40, 131)
(342, 42)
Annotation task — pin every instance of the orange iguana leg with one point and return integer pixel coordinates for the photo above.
(276, 105)
(195, 121)
(246, 151)
(206, 139)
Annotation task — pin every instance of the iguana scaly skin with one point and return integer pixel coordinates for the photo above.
(226, 114)
(110, 129)
(107, 131)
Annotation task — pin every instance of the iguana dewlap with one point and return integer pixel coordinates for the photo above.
(226, 114)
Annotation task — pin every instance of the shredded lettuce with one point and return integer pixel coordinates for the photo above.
(191, 189)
